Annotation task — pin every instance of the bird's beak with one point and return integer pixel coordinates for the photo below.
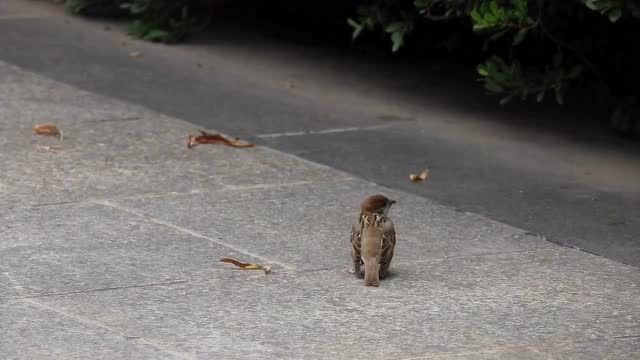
(393, 202)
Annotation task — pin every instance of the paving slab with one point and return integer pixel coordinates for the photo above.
(28, 99)
(620, 348)
(308, 225)
(35, 331)
(481, 303)
(111, 243)
(84, 247)
(123, 152)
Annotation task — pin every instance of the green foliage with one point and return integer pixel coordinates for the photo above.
(163, 20)
(626, 117)
(497, 19)
(94, 7)
(382, 14)
(491, 15)
(533, 48)
(613, 9)
(512, 80)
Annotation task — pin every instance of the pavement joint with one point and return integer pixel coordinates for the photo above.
(191, 232)
(45, 295)
(323, 132)
(109, 329)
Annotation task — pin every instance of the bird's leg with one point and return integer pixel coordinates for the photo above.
(383, 270)
(357, 263)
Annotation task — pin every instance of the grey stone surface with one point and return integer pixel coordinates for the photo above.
(476, 304)
(308, 225)
(27, 99)
(621, 348)
(71, 248)
(540, 168)
(109, 248)
(127, 155)
(34, 331)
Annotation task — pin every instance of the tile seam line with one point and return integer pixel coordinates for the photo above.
(96, 290)
(85, 321)
(284, 271)
(226, 188)
(190, 232)
(322, 131)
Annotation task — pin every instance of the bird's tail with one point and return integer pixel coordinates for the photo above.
(371, 272)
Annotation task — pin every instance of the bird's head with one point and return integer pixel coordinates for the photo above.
(377, 204)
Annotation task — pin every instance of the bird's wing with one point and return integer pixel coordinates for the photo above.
(388, 242)
(356, 238)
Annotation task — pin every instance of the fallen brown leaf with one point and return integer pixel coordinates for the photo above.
(423, 176)
(246, 266)
(135, 54)
(207, 138)
(47, 129)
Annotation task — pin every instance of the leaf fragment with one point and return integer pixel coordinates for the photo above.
(423, 176)
(246, 266)
(207, 138)
(135, 54)
(47, 129)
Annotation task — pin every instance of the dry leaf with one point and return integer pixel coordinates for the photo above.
(47, 129)
(246, 266)
(423, 176)
(207, 138)
(135, 54)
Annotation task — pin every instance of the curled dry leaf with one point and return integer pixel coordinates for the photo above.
(423, 176)
(207, 138)
(246, 266)
(47, 129)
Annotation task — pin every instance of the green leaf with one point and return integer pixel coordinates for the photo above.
(482, 70)
(356, 32)
(591, 4)
(493, 86)
(394, 27)
(615, 14)
(505, 100)
(354, 24)
(519, 37)
(158, 35)
(397, 38)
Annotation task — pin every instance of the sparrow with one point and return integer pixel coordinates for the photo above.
(373, 238)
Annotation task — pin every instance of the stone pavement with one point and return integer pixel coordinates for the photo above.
(110, 240)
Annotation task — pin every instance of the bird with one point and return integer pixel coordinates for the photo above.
(373, 239)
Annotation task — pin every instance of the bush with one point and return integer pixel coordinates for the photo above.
(95, 7)
(523, 49)
(531, 48)
(166, 21)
